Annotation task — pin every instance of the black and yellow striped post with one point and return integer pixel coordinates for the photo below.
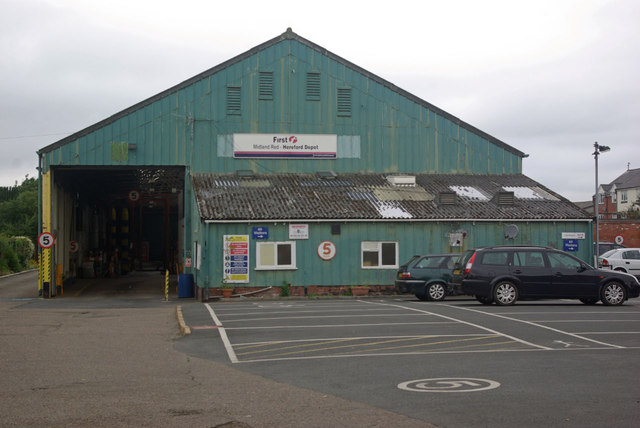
(166, 286)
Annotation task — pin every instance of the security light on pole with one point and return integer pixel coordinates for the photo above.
(598, 149)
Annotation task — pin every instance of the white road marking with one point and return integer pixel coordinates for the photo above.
(464, 322)
(273, 342)
(223, 335)
(315, 317)
(337, 325)
(540, 326)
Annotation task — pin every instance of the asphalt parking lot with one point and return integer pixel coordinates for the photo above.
(456, 363)
(109, 353)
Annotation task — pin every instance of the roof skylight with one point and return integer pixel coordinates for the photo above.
(469, 193)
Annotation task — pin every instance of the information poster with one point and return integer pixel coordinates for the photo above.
(298, 231)
(235, 258)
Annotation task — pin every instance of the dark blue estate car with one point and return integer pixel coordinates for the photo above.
(504, 274)
(426, 276)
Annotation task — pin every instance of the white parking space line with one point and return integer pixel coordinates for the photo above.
(357, 338)
(255, 349)
(539, 326)
(223, 335)
(315, 317)
(337, 325)
(383, 354)
(292, 311)
(461, 322)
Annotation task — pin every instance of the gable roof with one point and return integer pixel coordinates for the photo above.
(629, 179)
(287, 35)
(372, 197)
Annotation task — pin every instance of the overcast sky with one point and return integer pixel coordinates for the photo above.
(548, 77)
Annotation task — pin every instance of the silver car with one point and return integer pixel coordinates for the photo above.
(621, 259)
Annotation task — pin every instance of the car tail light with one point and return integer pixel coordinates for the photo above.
(404, 275)
(605, 262)
(467, 268)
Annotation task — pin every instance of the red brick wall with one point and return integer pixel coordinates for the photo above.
(628, 229)
(607, 209)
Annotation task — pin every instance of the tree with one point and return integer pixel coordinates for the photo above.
(18, 218)
(19, 210)
(634, 210)
(8, 259)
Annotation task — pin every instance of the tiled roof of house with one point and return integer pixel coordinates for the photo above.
(628, 180)
(363, 197)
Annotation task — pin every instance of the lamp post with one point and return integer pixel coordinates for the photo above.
(598, 149)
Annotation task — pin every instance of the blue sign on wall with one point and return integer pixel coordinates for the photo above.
(260, 232)
(571, 244)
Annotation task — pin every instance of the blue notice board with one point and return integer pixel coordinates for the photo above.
(260, 232)
(571, 244)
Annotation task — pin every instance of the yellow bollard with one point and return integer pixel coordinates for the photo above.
(166, 286)
(40, 274)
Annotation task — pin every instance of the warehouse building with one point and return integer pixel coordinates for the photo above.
(287, 165)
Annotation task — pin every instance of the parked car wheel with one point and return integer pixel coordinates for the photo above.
(505, 293)
(436, 292)
(589, 301)
(484, 300)
(613, 294)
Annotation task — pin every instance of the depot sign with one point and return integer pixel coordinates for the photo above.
(285, 146)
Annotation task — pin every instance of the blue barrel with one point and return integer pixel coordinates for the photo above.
(185, 285)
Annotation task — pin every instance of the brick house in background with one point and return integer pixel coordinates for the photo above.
(615, 200)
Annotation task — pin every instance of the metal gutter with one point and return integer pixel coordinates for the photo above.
(401, 220)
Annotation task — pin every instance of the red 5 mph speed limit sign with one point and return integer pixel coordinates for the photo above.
(46, 240)
(326, 250)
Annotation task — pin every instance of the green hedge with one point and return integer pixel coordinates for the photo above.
(9, 261)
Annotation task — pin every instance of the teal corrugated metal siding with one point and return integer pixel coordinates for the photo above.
(396, 133)
(412, 238)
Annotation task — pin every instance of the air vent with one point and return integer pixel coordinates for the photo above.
(233, 100)
(344, 101)
(447, 198)
(327, 175)
(402, 180)
(335, 229)
(265, 85)
(313, 86)
(505, 198)
(245, 173)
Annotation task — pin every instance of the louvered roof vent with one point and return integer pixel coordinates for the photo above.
(447, 198)
(505, 198)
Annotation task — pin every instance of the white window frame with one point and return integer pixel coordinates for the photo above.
(623, 197)
(261, 246)
(377, 246)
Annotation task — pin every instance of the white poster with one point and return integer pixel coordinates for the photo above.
(285, 146)
(298, 231)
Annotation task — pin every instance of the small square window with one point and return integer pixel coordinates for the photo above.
(379, 255)
(276, 255)
(623, 197)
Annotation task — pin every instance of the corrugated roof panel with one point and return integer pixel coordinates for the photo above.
(370, 197)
